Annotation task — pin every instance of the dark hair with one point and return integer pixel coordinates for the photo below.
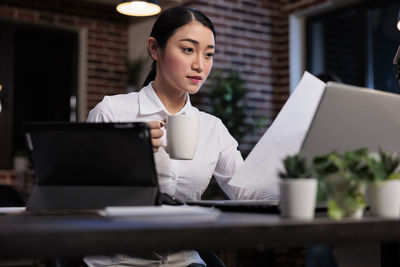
(167, 23)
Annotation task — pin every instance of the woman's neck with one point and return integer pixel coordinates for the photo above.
(173, 101)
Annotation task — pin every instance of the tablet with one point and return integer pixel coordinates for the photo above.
(91, 165)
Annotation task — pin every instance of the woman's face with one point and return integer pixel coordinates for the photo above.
(184, 64)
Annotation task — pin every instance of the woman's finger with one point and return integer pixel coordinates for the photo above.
(156, 143)
(154, 124)
(156, 133)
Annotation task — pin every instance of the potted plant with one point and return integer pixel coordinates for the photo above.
(228, 95)
(298, 188)
(342, 182)
(384, 189)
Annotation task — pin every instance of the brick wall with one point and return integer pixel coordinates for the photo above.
(106, 37)
(253, 38)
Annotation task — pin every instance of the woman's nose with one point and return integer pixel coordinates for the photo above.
(198, 64)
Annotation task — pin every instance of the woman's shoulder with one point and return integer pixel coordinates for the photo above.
(121, 98)
(118, 101)
(114, 107)
(211, 119)
(207, 116)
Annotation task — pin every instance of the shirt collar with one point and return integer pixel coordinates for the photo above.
(149, 103)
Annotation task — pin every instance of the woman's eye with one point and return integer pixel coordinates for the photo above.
(188, 50)
(209, 55)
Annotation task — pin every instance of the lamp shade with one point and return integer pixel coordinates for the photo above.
(139, 8)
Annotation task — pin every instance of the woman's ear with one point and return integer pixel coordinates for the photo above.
(152, 47)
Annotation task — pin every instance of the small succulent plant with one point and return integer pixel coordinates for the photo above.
(295, 166)
(384, 166)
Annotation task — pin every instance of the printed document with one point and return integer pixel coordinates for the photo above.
(284, 137)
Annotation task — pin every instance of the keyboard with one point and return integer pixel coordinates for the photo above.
(255, 206)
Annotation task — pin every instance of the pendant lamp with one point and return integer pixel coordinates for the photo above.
(139, 8)
(398, 21)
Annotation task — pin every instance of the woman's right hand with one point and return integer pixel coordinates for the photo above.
(156, 134)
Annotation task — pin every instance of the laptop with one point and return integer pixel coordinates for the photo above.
(91, 165)
(350, 117)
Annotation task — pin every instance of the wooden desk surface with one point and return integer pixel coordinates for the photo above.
(73, 235)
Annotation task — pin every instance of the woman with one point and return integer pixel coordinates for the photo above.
(182, 44)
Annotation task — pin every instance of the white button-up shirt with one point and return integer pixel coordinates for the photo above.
(216, 154)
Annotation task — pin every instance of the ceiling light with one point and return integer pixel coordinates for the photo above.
(398, 21)
(139, 8)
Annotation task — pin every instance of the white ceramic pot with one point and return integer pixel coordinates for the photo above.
(384, 199)
(298, 197)
(357, 214)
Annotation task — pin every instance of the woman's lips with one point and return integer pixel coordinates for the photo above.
(195, 79)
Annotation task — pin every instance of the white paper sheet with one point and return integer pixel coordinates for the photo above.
(284, 137)
(164, 213)
(7, 210)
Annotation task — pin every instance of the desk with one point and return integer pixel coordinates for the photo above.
(77, 235)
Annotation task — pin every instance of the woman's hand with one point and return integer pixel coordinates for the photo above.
(156, 133)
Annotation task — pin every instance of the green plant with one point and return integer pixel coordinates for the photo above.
(351, 165)
(383, 166)
(341, 181)
(228, 102)
(295, 166)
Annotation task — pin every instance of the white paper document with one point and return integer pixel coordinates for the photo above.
(164, 213)
(284, 137)
(9, 210)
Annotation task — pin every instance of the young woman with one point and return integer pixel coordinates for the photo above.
(182, 45)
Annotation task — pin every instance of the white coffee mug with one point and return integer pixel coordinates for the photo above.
(182, 136)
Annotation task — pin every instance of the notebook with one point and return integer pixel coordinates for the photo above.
(91, 165)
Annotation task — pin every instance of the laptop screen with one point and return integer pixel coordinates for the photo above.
(91, 154)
